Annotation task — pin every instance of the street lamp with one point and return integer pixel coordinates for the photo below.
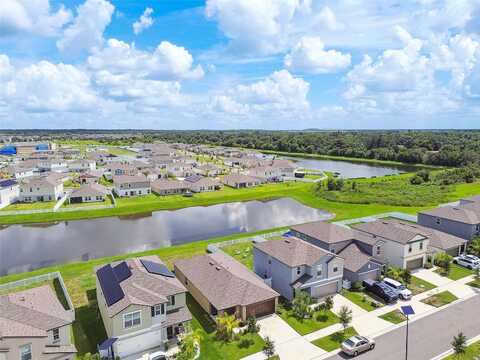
(407, 310)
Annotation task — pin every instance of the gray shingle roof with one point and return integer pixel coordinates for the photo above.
(388, 229)
(324, 231)
(354, 257)
(224, 281)
(468, 214)
(292, 251)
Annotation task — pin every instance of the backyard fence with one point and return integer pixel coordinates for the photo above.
(41, 278)
(257, 238)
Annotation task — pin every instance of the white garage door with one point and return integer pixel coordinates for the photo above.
(136, 344)
(324, 290)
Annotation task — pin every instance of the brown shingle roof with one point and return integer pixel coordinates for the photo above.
(144, 288)
(292, 251)
(224, 281)
(324, 231)
(354, 257)
(31, 313)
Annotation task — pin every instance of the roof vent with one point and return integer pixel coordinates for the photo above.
(218, 268)
(287, 241)
(211, 262)
(22, 298)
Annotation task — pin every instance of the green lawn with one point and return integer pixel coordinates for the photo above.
(29, 206)
(418, 286)
(242, 252)
(361, 299)
(334, 341)
(456, 272)
(440, 299)
(80, 281)
(472, 353)
(210, 347)
(302, 192)
(395, 317)
(474, 283)
(318, 321)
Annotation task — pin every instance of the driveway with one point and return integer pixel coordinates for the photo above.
(289, 344)
(431, 276)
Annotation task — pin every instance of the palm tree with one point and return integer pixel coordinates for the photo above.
(474, 247)
(189, 345)
(225, 326)
(459, 345)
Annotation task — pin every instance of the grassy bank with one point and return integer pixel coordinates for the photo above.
(302, 192)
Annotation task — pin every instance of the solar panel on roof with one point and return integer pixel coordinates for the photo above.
(112, 291)
(7, 183)
(122, 271)
(156, 268)
(193, 178)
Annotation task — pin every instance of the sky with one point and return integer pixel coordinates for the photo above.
(239, 64)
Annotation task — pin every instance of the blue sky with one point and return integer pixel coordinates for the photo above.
(227, 64)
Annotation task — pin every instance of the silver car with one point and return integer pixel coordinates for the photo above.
(357, 344)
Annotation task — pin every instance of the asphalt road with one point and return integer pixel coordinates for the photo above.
(429, 336)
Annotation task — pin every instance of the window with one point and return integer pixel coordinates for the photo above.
(158, 310)
(132, 319)
(410, 248)
(171, 300)
(379, 249)
(26, 352)
(438, 221)
(56, 335)
(299, 271)
(421, 245)
(335, 269)
(319, 270)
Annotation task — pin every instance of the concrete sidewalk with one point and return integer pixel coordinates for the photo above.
(290, 345)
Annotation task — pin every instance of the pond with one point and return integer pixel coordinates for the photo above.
(28, 247)
(352, 170)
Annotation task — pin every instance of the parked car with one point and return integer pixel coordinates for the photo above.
(383, 291)
(401, 290)
(357, 344)
(469, 261)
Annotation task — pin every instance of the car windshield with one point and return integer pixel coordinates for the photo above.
(401, 287)
(349, 342)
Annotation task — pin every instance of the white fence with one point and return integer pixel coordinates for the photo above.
(41, 278)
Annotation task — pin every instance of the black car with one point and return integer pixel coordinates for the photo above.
(383, 291)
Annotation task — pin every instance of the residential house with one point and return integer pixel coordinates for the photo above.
(198, 184)
(40, 189)
(292, 265)
(362, 253)
(220, 285)
(180, 169)
(90, 177)
(19, 172)
(52, 165)
(81, 166)
(462, 220)
(209, 170)
(119, 169)
(170, 187)
(266, 173)
(404, 247)
(142, 305)
(240, 181)
(9, 192)
(153, 174)
(34, 325)
(88, 193)
(127, 185)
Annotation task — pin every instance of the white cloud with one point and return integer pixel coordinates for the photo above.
(45, 86)
(86, 31)
(144, 22)
(279, 92)
(309, 55)
(259, 27)
(327, 19)
(32, 17)
(166, 62)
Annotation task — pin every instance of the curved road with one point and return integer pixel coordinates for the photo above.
(429, 336)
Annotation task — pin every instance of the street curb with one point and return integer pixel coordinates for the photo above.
(450, 352)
